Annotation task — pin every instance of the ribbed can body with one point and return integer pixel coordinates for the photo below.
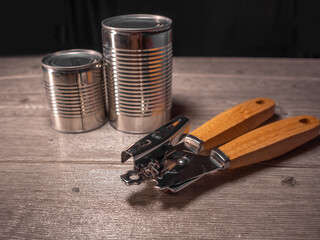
(76, 98)
(138, 70)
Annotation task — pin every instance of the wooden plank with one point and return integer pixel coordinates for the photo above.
(38, 142)
(24, 97)
(297, 68)
(20, 66)
(66, 201)
(31, 65)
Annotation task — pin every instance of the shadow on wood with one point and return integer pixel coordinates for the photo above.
(178, 108)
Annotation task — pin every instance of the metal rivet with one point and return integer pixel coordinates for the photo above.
(183, 161)
(157, 135)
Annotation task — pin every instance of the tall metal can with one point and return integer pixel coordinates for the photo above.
(75, 89)
(137, 51)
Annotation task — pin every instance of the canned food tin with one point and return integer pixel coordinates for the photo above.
(75, 90)
(137, 52)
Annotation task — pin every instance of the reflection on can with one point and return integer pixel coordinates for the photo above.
(137, 52)
(75, 90)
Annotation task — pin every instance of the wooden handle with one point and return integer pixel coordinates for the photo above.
(271, 141)
(234, 122)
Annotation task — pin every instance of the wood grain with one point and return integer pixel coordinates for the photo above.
(271, 141)
(67, 201)
(234, 122)
(67, 186)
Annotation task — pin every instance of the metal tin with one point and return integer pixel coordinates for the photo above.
(75, 89)
(137, 51)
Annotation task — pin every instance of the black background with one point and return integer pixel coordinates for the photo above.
(241, 28)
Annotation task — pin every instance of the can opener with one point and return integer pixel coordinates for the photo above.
(181, 168)
(150, 154)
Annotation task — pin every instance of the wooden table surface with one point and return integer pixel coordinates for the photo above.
(67, 186)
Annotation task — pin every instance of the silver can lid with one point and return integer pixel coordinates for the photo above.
(71, 60)
(137, 23)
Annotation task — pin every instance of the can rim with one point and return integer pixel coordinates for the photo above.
(165, 25)
(47, 61)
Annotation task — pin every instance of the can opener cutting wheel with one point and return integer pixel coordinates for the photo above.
(150, 154)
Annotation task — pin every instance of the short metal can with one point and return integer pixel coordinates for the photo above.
(137, 52)
(75, 89)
